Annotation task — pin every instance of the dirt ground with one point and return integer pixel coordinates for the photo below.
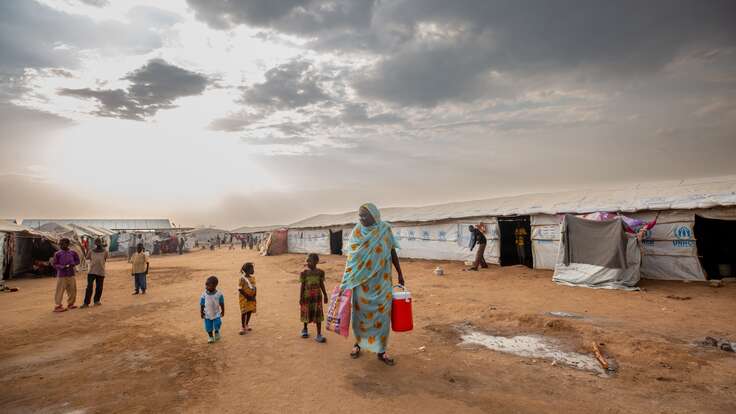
(149, 353)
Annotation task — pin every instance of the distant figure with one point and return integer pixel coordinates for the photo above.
(64, 261)
(242, 242)
(311, 295)
(139, 260)
(521, 235)
(477, 237)
(250, 241)
(247, 290)
(218, 241)
(181, 245)
(212, 309)
(96, 275)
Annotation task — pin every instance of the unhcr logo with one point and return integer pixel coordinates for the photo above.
(684, 237)
(683, 232)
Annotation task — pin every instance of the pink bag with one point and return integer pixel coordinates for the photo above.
(338, 311)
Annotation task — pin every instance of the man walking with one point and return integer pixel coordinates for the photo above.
(64, 262)
(477, 237)
(139, 260)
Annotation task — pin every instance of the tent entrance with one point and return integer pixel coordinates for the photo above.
(516, 244)
(716, 246)
(336, 242)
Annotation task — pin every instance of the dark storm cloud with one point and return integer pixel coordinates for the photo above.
(292, 16)
(153, 87)
(33, 35)
(355, 113)
(288, 86)
(431, 51)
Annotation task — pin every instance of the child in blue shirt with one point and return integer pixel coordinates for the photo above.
(212, 309)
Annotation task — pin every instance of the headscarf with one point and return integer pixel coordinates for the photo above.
(369, 246)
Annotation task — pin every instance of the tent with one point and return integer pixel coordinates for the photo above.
(24, 250)
(670, 250)
(275, 243)
(597, 276)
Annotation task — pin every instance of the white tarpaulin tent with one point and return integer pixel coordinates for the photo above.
(669, 252)
(309, 241)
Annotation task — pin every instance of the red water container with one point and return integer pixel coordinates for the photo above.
(402, 319)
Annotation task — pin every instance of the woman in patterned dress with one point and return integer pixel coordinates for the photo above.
(372, 251)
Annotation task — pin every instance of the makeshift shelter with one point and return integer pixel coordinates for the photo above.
(205, 235)
(670, 250)
(598, 254)
(61, 231)
(258, 234)
(24, 250)
(275, 243)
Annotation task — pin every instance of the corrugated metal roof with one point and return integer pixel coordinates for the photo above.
(11, 221)
(256, 229)
(110, 224)
(670, 195)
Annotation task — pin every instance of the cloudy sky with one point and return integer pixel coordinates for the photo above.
(240, 112)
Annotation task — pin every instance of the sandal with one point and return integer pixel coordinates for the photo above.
(356, 352)
(385, 359)
(321, 339)
(305, 333)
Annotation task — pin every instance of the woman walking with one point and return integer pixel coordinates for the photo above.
(96, 276)
(372, 251)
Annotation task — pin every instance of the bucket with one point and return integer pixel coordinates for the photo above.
(402, 319)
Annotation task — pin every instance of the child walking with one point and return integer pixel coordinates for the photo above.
(212, 309)
(247, 294)
(312, 294)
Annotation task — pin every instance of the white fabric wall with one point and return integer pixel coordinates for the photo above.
(598, 277)
(309, 241)
(670, 251)
(545, 240)
(448, 241)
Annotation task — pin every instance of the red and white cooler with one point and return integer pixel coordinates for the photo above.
(402, 319)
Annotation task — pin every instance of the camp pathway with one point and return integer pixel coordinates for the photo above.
(150, 354)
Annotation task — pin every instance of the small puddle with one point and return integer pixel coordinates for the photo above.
(533, 346)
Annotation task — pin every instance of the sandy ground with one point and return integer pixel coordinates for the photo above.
(149, 353)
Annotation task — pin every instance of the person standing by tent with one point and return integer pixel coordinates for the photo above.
(139, 270)
(96, 275)
(181, 245)
(64, 262)
(368, 274)
(521, 234)
(477, 237)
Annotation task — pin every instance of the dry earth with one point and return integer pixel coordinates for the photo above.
(149, 353)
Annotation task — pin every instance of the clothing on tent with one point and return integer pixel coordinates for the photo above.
(601, 243)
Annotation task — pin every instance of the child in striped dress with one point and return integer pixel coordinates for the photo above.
(312, 294)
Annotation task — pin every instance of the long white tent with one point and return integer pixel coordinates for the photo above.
(440, 231)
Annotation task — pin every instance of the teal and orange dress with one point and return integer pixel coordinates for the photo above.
(368, 273)
(311, 300)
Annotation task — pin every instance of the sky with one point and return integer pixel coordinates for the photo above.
(253, 112)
